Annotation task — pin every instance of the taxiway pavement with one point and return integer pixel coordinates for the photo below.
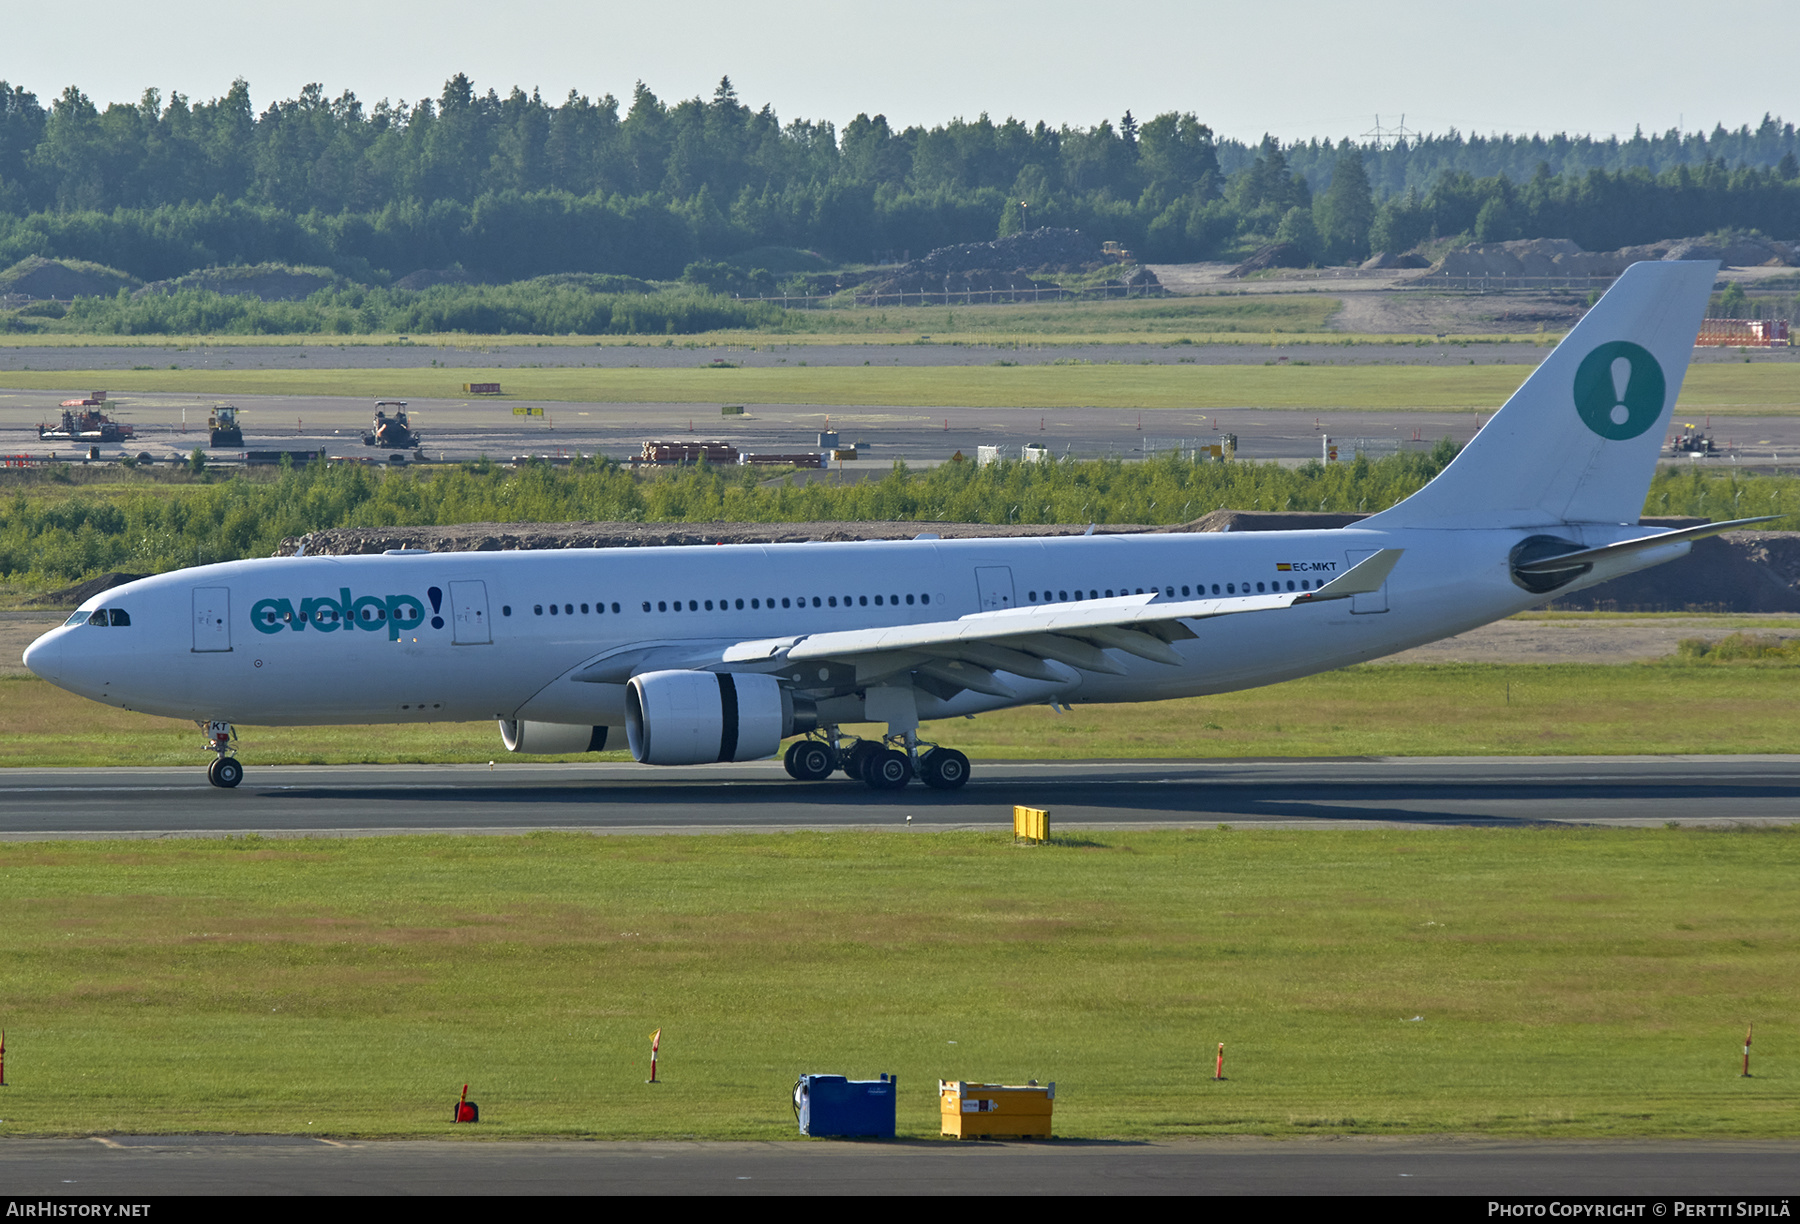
(131, 1166)
(611, 797)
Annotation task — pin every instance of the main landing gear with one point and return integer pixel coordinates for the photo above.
(226, 770)
(886, 764)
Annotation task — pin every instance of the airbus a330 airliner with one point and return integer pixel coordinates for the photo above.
(720, 654)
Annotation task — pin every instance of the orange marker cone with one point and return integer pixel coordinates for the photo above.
(655, 1041)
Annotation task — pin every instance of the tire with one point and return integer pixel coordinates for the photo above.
(787, 760)
(813, 761)
(887, 769)
(225, 772)
(944, 769)
(852, 763)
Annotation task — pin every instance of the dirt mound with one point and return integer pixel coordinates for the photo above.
(1736, 250)
(1527, 257)
(38, 277)
(1267, 520)
(267, 282)
(1741, 571)
(1000, 264)
(1562, 257)
(74, 596)
(1275, 255)
(1383, 260)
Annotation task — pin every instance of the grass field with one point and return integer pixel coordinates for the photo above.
(1503, 982)
(1382, 710)
(1763, 389)
(1227, 317)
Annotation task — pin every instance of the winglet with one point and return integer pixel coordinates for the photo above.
(1363, 578)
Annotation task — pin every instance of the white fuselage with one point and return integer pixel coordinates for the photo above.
(265, 642)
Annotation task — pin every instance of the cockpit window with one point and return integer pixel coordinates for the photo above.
(98, 618)
(77, 618)
(119, 616)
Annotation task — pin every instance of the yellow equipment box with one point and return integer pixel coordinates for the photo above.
(1033, 824)
(996, 1111)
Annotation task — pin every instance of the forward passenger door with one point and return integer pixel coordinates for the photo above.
(469, 608)
(212, 619)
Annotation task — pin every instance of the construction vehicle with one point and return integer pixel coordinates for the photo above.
(1692, 441)
(688, 452)
(83, 421)
(393, 432)
(222, 427)
(1114, 250)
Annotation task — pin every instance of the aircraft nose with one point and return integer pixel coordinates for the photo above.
(44, 656)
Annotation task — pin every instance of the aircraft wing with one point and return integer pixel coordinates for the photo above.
(965, 653)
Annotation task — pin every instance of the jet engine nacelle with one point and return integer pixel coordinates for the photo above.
(550, 739)
(692, 718)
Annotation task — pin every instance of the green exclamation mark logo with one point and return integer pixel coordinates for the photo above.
(1619, 390)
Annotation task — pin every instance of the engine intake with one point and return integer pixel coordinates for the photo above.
(693, 718)
(550, 739)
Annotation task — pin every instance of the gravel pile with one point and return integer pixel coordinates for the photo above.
(1275, 255)
(1563, 257)
(1000, 264)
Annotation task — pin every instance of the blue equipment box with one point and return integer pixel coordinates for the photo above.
(833, 1105)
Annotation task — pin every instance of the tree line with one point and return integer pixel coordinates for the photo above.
(516, 186)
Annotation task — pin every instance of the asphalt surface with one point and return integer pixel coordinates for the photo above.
(173, 425)
(141, 1167)
(459, 429)
(38, 804)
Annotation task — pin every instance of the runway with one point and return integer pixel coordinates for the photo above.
(38, 804)
(170, 425)
(148, 1166)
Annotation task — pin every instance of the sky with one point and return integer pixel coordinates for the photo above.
(1298, 69)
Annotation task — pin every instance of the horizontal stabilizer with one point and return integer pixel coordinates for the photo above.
(1564, 562)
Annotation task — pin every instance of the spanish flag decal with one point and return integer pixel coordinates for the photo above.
(1282, 565)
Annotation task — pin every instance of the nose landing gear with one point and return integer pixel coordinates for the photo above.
(226, 771)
